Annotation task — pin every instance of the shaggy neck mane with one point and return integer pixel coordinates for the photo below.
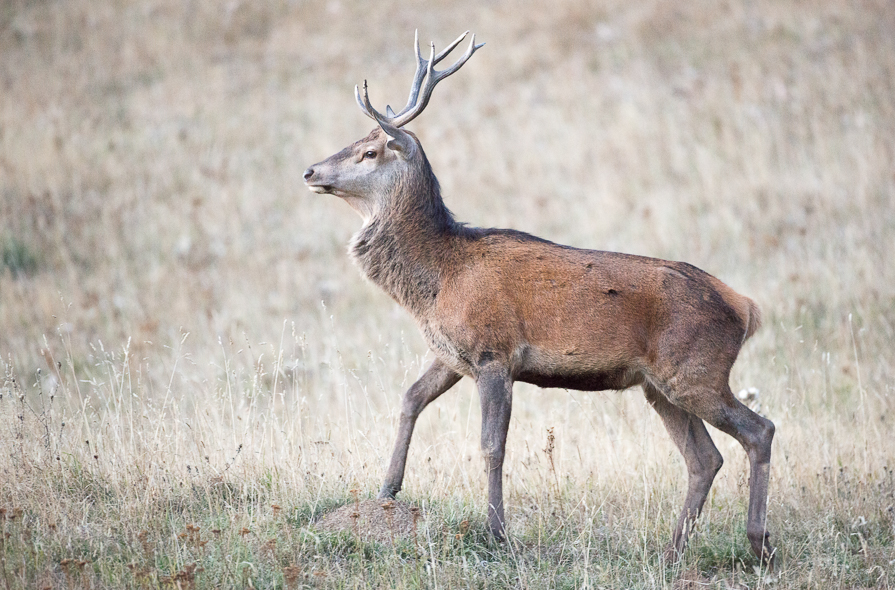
(401, 248)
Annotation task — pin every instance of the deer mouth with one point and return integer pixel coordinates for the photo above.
(320, 189)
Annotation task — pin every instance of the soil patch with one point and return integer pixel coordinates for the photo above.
(377, 520)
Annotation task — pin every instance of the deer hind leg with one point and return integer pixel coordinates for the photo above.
(437, 379)
(718, 406)
(495, 394)
(701, 456)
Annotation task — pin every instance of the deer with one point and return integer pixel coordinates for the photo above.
(500, 306)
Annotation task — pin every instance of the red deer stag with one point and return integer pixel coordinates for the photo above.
(501, 306)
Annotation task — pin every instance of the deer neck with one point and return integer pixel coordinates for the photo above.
(402, 248)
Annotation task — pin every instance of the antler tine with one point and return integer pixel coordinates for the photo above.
(418, 76)
(472, 49)
(444, 53)
(384, 122)
(422, 67)
(433, 77)
(360, 101)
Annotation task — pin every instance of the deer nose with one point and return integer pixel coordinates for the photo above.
(308, 174)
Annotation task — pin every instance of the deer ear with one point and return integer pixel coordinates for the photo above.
(400, 141)
(403, 145)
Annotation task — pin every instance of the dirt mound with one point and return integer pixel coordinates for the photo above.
(376, 520)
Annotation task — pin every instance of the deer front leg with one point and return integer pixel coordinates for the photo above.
(495, 393)
(437, 379)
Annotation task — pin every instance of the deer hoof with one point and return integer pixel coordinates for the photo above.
(672, 555)
(387, 494)
(762, 548)
(497, 532)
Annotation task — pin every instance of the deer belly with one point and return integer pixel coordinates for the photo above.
(574, 369)
(619, 378)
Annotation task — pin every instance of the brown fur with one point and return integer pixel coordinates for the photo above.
(501, 306)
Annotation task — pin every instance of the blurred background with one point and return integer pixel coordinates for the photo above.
(151, 156)
(164, 270)
(152, 205)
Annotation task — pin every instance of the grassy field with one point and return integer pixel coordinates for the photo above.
(192, 373)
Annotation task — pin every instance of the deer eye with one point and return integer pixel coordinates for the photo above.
(369, 154)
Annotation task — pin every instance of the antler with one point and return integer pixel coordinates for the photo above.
(419, 93)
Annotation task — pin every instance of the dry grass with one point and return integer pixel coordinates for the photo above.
(195, 374)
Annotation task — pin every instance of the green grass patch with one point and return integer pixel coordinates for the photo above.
(17, 256)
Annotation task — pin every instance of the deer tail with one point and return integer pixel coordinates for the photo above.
(752, 319)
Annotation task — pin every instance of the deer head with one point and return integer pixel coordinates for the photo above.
(366, 173)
